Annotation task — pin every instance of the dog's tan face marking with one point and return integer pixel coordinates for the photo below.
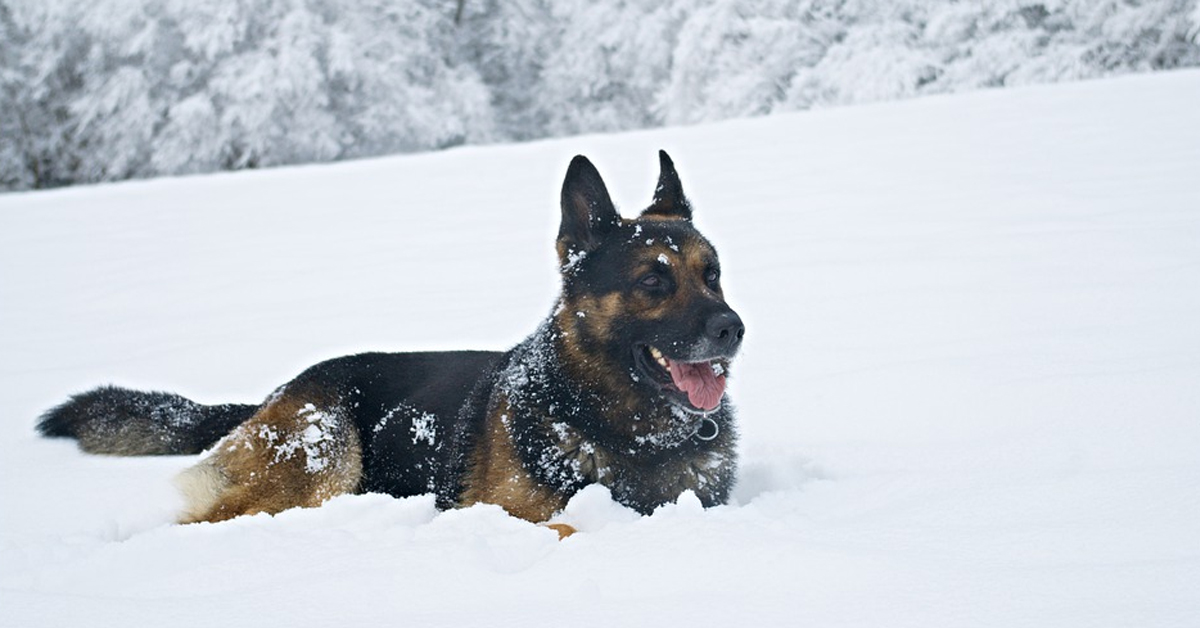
(593, 315)
(687, 264)
(684, 261)
(585, 323)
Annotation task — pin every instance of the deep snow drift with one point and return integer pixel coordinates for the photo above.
(968, 394)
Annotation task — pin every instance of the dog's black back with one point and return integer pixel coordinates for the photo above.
(405, 406)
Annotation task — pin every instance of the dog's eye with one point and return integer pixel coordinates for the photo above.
(712, 276)
(653, 280)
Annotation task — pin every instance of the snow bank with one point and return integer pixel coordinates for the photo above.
(968, 392)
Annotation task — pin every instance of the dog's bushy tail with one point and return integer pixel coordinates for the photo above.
(123, 422)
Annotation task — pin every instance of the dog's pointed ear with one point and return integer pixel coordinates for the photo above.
(587, 211)
(669, 201)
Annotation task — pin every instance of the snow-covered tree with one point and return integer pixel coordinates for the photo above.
(14, 94)
(507, 42)
(610, 65)
(399, 80)
(739, 58)
(99, 90)
(113, 89)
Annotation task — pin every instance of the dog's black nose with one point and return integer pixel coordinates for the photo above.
(726, 329)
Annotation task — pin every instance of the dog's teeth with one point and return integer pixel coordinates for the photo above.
(659, 357)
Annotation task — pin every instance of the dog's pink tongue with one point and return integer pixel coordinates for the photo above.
(703, 387)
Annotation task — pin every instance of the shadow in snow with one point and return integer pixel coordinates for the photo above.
(770, 472)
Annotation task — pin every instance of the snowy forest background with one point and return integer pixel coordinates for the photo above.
(103, 90)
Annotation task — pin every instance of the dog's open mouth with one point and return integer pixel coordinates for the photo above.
(702, 384)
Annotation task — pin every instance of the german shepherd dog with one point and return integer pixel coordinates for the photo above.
(623, 385)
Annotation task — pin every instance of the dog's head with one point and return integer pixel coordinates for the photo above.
(642, 309)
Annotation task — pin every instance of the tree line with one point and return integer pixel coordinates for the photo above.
(104, 90)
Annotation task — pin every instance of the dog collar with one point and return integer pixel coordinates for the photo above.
(707, 430)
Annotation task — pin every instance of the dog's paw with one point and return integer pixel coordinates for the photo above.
(562, 529)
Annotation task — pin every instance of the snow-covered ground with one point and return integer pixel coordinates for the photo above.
(969, 395)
